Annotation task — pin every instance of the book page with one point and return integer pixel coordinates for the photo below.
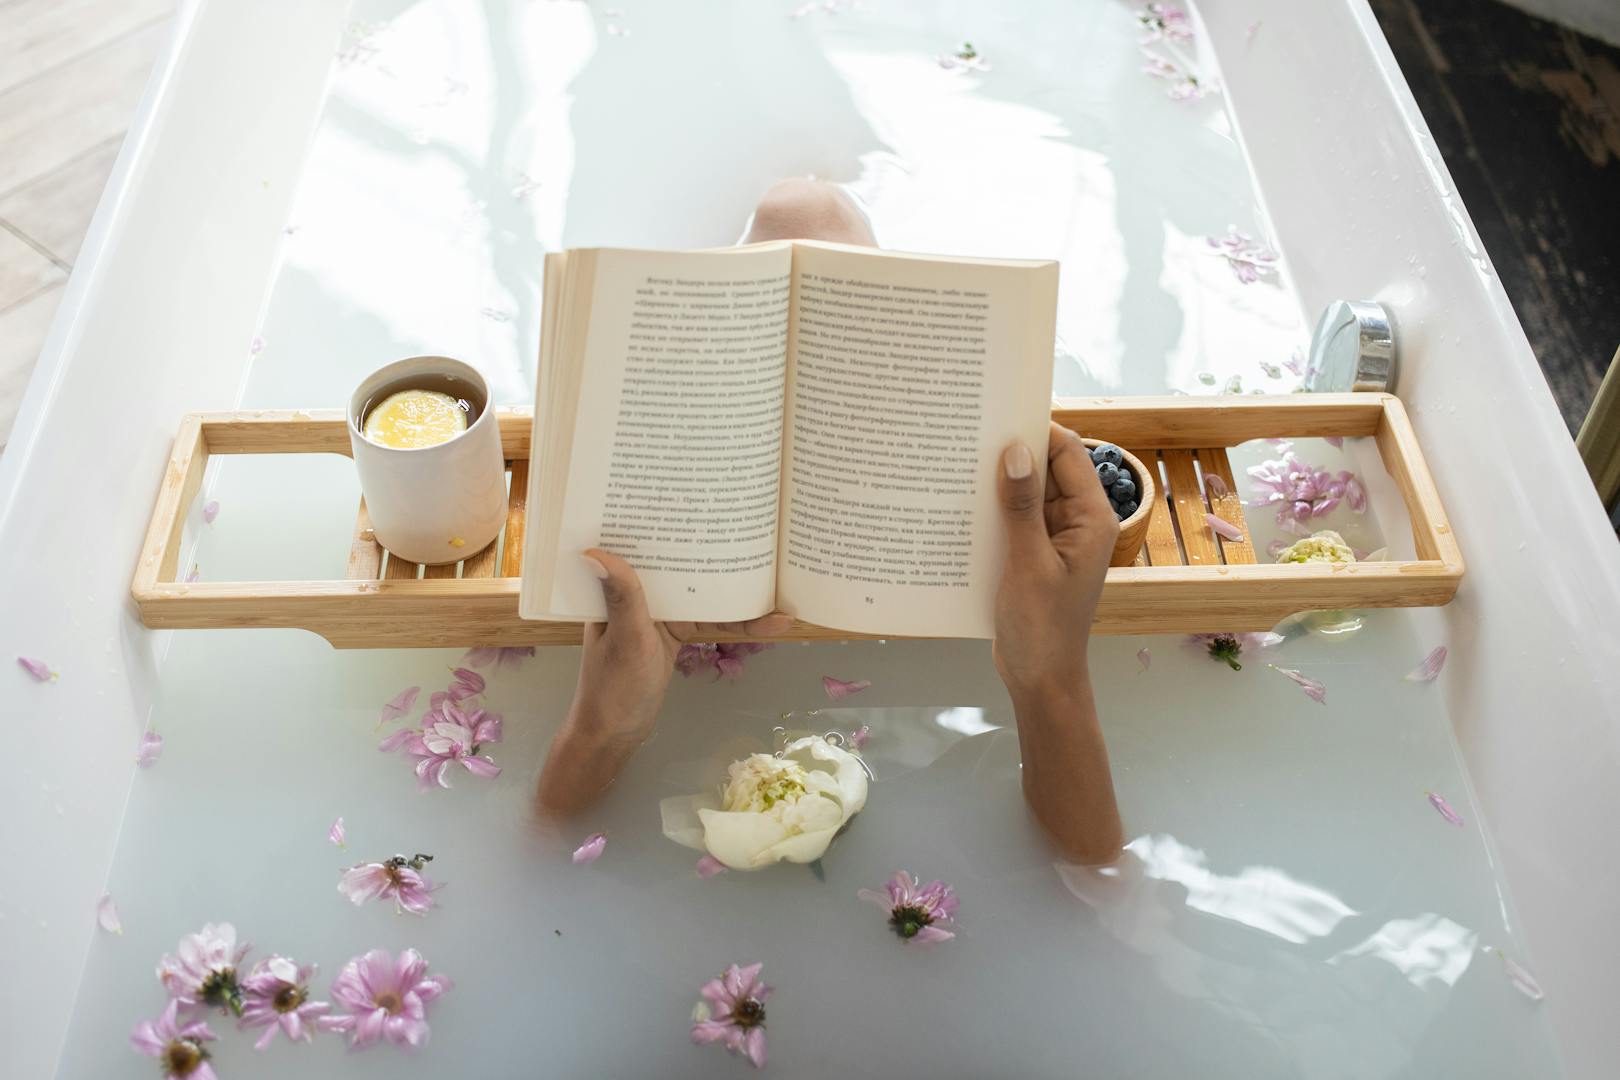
(909, 377)
(675, 458)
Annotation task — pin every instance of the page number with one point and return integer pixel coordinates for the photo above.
(868, 599)
(691, 588)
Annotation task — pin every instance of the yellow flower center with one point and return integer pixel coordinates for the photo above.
(759, 782)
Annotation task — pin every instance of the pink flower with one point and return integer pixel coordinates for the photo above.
(1228, 647)
(107, 916)
(179, 1049)
(1184, 86)
(966, 58)
(399, 705)
(1444, 809)
(201, 973)
(1313, 689)
(1429, 670)
(337, 834)
(838, 689)
(726, 658)
(399, 879)
(708, 866)
(276, 998)
(733, 1012)
(37, 668)
(386, 999)
(211, 511)
(500, 657)
(448, 737)
(1164, 22)
(150, 749)
(591, 849)
(916, 913)
(1301, 492)
(1247, 257)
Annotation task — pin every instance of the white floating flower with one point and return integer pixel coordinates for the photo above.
(772, 808)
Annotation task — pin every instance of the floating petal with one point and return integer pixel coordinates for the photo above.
(211, 511)
(1144, 658)
(1524, 982)
(37, 668)
(150, 749)
(1335, 441)
(1313, 689)
(336, 833)
(838, 690)
(1223, 528)
(858, 738)
(708, 866)
(107, 916)
(591, 849)
(1430, 668)
(1215, 486)
(1445, 809)
(399, 705)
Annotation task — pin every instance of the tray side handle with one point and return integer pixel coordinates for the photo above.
(1403, 460)
(182, 479)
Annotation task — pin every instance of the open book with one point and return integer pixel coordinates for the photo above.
(805, 427)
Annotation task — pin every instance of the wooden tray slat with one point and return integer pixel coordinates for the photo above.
(365, 554)
(387, 602)
(440, 571)
(518, 503)
(1197, 538)
(1228, 507)
(1161, 546)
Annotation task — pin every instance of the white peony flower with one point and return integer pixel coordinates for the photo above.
(772, 808)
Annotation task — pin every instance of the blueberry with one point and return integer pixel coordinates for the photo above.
(1108, 473)
(1124, 489)
(1128, 509)
(1108, 452)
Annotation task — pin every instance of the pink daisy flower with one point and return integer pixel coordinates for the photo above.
(1228, 647)
(386, 999)
(1300, 491)
(276, 998)
(201, 972)
(178, 1049)
(448, 736)
(733, 1012)
(399, 879)
(916, 912)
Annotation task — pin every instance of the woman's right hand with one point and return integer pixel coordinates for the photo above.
(1058, 549)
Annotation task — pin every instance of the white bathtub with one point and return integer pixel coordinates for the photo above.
(175, 272)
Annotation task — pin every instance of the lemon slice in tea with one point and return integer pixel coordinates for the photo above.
(415, 418)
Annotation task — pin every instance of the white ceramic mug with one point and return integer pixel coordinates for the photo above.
(431, 504)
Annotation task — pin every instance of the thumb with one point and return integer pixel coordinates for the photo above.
(621, 589)
(1022, 503)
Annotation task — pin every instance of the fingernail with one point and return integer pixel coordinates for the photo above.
(594, 566)
(1017, 461)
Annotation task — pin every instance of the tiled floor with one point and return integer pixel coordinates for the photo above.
(71, 73)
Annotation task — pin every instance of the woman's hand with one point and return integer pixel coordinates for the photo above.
(1057, 553)
(1058, 549)
(624, 671)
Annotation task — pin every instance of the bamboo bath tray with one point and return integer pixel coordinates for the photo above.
(1186, 580)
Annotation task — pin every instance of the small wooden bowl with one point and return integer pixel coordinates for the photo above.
(1133, 530)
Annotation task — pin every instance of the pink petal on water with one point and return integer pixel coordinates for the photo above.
(107, 916)
(591, 849)
(256, 346)
(211, 511)
(336, 833)
(1445, 809)
(1223, 528)
(859, 737)
(196, 573)
(1313, 689)
(1335, 441)
(399, 704)
(1355, 495)
(37, 668)
(1430, 668)
(1215, 486)
(1524, 982)
(149, 750)
(1144, 658)
(708, 866)
(838, 689)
